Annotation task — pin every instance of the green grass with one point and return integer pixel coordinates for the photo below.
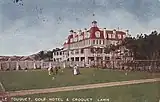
(149, 92)
(38, 79)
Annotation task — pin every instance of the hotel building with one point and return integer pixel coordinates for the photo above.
(88, 45)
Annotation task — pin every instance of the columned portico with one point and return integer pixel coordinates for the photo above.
(86, 60)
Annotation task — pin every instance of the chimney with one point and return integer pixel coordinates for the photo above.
(85, 32)
(71, 31)
(94, 24)
(127, 32)
(104, 33)
(74, 36)
(79, 32)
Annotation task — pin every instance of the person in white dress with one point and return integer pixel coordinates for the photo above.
(49, 70)
(64, 64)
(75, 70)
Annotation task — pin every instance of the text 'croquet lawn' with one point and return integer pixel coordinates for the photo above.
(148, 92)
(39, 79)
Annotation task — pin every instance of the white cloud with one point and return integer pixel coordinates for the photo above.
(24, 33)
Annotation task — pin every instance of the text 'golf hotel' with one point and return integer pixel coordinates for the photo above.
(88, 45)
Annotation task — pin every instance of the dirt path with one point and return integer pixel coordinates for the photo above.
(79, 87)
(2, 87)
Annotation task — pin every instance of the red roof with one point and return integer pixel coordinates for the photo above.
(109, 31)
(120, 32)
(69, 38)
(93, 32)
(93, 35)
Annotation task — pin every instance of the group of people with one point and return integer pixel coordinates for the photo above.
(52, 69)
(55, 69)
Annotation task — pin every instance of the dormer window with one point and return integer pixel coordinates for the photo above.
(97, 34)
(88, 34)
(76, 38)
(109, 36)
(71, 39)
(124, 36)
(119, 36)
(113, 36)
(80, 37)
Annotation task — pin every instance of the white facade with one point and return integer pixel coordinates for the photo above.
(88, 45)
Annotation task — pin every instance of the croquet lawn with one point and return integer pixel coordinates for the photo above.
(38, 79)
(148, 92)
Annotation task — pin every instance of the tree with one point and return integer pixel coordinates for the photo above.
(144, 46)
(49, 55)
(41, 55)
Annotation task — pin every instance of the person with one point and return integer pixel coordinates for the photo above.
(50, 70)
(75, 70)
(64, 64)
(56, 69)
(78, 71)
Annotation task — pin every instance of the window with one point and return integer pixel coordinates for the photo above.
(86, 42)
(124, 36)
(77, 58)
(102, 42)
(97, 33)
(119, 36)
(97, 42)
(81, 37)
(99, 50)
(71, 40)
(93, 41)
(60, 53)
(109, 35)
(113, 36)
(76, 51)
(72, 52)
(92, 50)
(82, 50)
(88, 34)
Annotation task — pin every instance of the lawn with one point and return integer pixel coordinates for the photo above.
(149, 92)
(37, 79)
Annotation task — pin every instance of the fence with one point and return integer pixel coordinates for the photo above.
(134, 65)
(18, 65)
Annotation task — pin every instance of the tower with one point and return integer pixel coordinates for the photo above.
(94, 24)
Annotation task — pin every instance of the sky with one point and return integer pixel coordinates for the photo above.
(45, 24)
